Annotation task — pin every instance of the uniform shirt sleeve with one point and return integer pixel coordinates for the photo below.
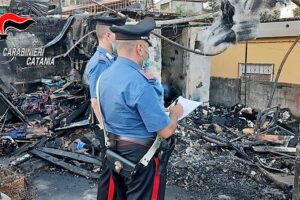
(151, 110)
(93, 76)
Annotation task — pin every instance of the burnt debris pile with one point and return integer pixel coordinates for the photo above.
(236, 153)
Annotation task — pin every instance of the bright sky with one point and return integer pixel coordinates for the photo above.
(287, 11)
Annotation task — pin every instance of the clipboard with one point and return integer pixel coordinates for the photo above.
(188, 106)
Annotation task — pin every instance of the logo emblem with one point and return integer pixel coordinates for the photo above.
(13, 21)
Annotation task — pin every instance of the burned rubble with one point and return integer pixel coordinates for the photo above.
(51, 124)
(224, 152)
(229, 153)
(13, 184)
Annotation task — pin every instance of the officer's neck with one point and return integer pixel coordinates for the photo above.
(106, 46)
(131, 57)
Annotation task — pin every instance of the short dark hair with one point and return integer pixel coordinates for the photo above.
(101, 30)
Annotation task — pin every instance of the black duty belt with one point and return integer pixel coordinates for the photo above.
(141, 141)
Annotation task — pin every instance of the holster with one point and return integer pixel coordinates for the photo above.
(119, 164)
(99, 134)
(164, 153)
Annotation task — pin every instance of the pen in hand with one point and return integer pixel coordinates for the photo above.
(176, 101)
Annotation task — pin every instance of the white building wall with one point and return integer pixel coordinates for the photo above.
(155, 55)
(197, 69)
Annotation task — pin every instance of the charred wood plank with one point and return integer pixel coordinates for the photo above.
(274, 149)
(14, 109)
(75, 156)
(33, 164)
(28, 146)
(74, 115)
(21, 159)
(74, 125)
(205, 136)
(284, 182)
(64, 87)
(270, 168)
(217, 140)
(280, 139)
(59, 162)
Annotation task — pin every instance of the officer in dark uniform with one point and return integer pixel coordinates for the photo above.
(134, 113)
(103, 57)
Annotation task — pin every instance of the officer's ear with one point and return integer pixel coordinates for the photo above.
(139, 48)
(110, 36)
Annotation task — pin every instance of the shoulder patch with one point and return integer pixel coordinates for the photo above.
(109, 56)
(102, 58)
(149, 77)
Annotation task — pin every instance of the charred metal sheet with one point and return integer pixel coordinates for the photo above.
(62, 33)
(30, 7)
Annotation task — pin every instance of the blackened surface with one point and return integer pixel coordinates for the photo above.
(35, 36)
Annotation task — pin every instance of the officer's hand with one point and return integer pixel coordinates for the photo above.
(176, 111)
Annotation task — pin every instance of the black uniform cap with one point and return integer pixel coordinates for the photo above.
(110, 20)
(140, 31)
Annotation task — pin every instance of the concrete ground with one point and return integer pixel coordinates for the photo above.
(66, 186)
(53, 185)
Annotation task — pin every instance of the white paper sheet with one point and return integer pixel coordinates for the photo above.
(188, 106)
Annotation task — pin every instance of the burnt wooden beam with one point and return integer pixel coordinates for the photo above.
(59, 162)
(85, 122)
(217, 140)
(75, 156)
(13, 108)
(274, 149)
(77, 112)
(21, 159)
(26, 147)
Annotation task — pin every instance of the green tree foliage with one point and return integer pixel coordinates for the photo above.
(179, 10)
(213, 5)
(268, 16)
(296, 12)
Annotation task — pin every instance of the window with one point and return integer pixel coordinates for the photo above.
(260, 72)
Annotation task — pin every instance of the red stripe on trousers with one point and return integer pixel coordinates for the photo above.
(111, 189)
(156, 180)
